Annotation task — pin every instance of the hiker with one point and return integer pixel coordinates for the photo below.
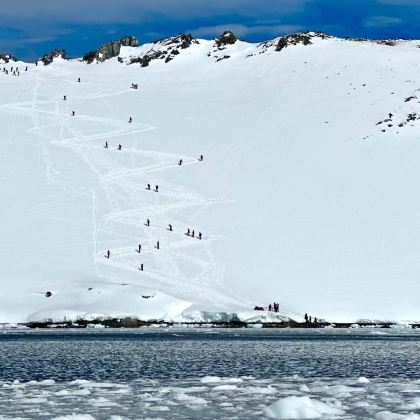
(157, 245)
(72, 113)
(26, 68)
(119, 147)
(180, 162)
(78, 79)
(315, 321)
(130, 120)
(157, 188)
(306, 317)
(65, 97)
(108, 254)
(270, 307)
(148, 187)
(106, 145)
(147, 222)
(201, 158)
(188, 232)
(192, 234)
(170, 227)
(139, 249)
(199, 235)
(141, 267)
(310, 319)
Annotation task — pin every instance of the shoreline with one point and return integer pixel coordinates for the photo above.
(132, 323)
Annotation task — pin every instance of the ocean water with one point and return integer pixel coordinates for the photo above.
(209, 373)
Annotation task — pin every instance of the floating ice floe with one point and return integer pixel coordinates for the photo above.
(301, 408)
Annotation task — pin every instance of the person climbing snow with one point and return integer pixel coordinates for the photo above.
(188, 232)
(65, 97)
(192, 233)
(306, 317)
(157, 245)
(270, 307)
(147, 222)
(106, 145)
(78, 79)
(141, 267)
(148, 187)
(139, 249)
(108, 254)
(119, 147)
(199, 235)
(201, 158)
(130, 120)
(170, 227)
(180, 162)
(72, 113)
(157, 188)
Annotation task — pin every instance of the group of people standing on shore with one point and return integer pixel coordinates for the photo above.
(308, 319)
(275, 307)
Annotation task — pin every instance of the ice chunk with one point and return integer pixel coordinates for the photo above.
(300, 408)
(387, 415)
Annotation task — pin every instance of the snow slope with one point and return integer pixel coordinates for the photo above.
(302, 197)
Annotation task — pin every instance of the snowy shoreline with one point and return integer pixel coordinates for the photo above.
(133, 323)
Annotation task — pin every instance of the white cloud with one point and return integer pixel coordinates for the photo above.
(381, 21)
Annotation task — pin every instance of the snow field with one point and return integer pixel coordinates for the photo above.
(301, 198)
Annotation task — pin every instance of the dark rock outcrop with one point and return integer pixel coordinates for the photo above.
(147, 58)
(49, 58)
(179, 41)
(165, 49)
(304, 38)
(227, 38)
(7, 57)
(110, 49)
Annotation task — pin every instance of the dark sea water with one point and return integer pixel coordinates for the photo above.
(207, 373)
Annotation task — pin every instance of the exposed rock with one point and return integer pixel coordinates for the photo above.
(49, 58)
(179, 41)
(227, 38)
(147, 58)
(165, 49)
(225, 57)
(7, 57)
(110, 49)
(304, 38)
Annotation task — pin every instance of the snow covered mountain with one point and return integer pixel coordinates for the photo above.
(307, 193)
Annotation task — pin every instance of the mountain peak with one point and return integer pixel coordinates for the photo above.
(227, 38)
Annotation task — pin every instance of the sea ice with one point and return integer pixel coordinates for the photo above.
(300, 408)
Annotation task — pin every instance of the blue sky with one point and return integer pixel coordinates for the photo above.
(30, 28)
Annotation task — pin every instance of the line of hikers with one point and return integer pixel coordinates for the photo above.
(157, 246)
(200, 159)
(13, 71)
(275, 307)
